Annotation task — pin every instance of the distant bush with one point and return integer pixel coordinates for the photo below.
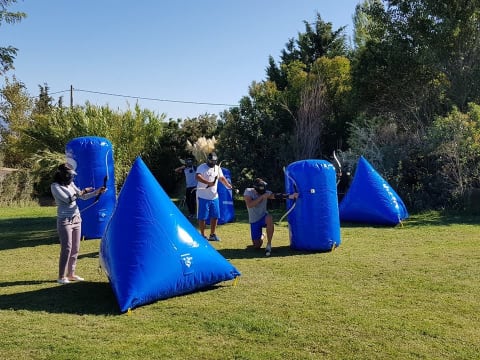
(16, 189)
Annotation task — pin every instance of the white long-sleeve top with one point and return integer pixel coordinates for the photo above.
(66, 199)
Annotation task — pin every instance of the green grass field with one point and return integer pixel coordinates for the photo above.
(409, 292)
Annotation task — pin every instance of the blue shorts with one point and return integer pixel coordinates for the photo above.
(256, 228)
(208, 209)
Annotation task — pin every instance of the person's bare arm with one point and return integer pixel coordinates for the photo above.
(225, 182)
(180, 168)
(254, 202)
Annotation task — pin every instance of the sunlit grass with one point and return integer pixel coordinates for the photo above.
(409, 292)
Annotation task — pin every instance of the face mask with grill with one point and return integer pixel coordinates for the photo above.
(260, 187)
(212, 160)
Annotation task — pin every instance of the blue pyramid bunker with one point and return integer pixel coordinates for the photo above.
(150, 251)
(371, 200)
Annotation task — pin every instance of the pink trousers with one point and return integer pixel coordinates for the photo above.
(69, 232)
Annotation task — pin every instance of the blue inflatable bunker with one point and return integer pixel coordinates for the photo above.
(225, 198)
(92, 159)
(150, 251)
(314, 221)
(371, 200)
(227, 209)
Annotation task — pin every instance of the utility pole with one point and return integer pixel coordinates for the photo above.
(71, 96)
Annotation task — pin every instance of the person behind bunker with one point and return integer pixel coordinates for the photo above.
(189, 170)
(69, 221)
(256, 198)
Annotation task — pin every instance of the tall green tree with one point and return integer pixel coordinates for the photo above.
(15, 115)
(318, 40)
(8, 53)
(254, 141)
(455, 142)
(419, 58)
(44, 102)
(290, 115)
(363, 22)
(415, 61)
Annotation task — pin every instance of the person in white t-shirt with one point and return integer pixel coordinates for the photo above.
(208, 206)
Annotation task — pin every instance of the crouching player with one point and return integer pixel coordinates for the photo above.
(256, 199)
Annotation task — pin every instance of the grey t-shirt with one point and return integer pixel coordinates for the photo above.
(257, 212)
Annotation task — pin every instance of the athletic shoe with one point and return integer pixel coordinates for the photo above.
(75, 278)
(63, 281)
(268, 250)
(213, 237)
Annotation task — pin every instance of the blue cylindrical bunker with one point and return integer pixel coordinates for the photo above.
(92, 159)
(227, 210)
(314, 222)
(225, 199)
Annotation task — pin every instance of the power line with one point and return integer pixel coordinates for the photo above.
(152, 99)
(143, 98)
(56, 92)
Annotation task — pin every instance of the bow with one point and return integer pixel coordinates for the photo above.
(214, 181)
(105, 180)
(294, 200)
(339, 166)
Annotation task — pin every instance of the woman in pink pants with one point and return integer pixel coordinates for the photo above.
(69, 221)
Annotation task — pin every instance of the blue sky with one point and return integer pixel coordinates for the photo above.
(201, 51)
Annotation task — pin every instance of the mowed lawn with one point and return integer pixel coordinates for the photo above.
(408, 292)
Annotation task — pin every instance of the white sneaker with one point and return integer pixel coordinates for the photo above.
(75, 278)
(63, 281)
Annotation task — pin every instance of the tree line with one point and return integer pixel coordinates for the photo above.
(405, 95)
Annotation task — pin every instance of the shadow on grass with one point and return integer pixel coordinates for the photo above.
(27, 232)
(78, 298)
(251, 253)
(81, 298)
(426, 219)
(91, 255)
(441, 219)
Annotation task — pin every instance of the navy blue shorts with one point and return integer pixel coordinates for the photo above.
(256, 228)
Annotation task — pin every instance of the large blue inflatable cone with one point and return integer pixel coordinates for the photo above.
(150, 251)
(371, 200)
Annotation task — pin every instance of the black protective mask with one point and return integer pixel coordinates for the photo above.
(68, 178)
(260, 187)
(260, 190)
(212, 160)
